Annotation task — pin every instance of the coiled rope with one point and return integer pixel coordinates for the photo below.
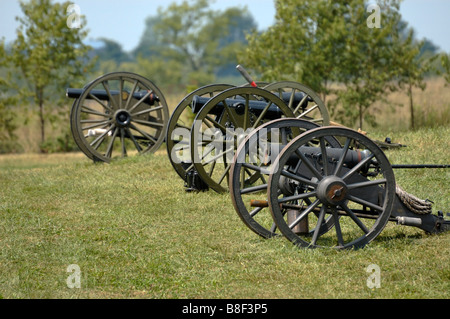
(414, 204)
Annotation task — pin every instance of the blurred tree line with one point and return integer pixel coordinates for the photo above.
(186, 44)
(333, 46)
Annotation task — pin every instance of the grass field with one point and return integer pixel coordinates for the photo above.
(135, 233)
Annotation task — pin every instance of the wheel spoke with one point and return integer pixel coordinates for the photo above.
(261, 116)
(341, 159)
(308, 164)
(355, 218)
(255, 211)
(225, 173)
(149, 123)
(88, 110)
(120, 92)
(300, 104)
(358, 167)
(308, 111)
(133, 89)
(144, 134)
(92, 96)
(297, 197)
(99, 140)
(122, 142)
(303, 214)
(111, 143)
(253, 189)
(365, 203)
(256, 168)
(337, 226)
(136, 144)
(216, 124)
(366, 184)
(319, 225)
(298, 178)
(108, 92)
(140, 101)
(148, 110)
(230, 114)
(101, 124)
(324, 156)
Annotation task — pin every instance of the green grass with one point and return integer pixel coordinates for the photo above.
(135, 233)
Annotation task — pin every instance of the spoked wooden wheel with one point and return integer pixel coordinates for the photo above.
(74, 125)
(250, 171)
(355, 184)
(119, 114)
(223, 123)
(179, 128)
(305, 103)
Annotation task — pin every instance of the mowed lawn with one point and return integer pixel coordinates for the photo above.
(133, 232)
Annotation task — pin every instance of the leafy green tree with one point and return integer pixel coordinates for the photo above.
(371, 60)
(48, 54)
(416, 62)
(7, 101)
(305, 44)
(335, 47)
(445, 60)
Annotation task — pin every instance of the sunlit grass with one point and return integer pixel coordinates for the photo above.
(135, 233)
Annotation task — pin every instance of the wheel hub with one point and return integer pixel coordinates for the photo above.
(123, 118)
(332, 190)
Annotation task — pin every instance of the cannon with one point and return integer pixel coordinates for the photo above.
(118, 114)
(327, 187)
(220, 108)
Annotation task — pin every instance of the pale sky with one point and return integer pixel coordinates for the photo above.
(124, 20)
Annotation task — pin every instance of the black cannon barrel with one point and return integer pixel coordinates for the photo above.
(352, 158)
(256, 107)
(103, 95)
(298, 97)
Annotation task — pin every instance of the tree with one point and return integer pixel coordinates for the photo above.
(445, 60)
(325, 43)
(111, 50)
(7, 116)
(303, 45)
(196, 37)
(372, 59)
(47, 53)
(417, 61)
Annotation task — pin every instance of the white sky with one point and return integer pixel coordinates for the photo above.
(124, 20)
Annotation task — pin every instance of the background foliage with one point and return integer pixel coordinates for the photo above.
(326, 45)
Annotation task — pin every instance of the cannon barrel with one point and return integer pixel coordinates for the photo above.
(352, 158)
(103, 95)
(255, 106)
